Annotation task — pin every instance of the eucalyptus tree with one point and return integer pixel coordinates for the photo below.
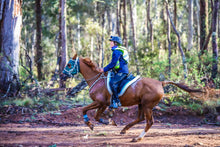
(39, 50)
(203, 24)
(190, 25)
(10, 30)
(214, 39)
(133, 38)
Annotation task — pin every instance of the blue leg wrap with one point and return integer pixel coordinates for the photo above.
(86, 119)
(101, 120)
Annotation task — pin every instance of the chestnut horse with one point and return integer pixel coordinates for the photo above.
(145, 92)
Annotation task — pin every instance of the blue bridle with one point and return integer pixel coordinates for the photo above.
(73, 69)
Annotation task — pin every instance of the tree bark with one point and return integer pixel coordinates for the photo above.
(190, 25)
(63, 53)
(78, 32)
(169, 46)
(203, 24)
(118, 18)
(175, 13)
(102, 48)
(150, 25)
(10, 31)
(198, 24)
(125, 25)
(174, 41)
(39, 50)
(133, 38)
(179, 44)
(214, 40)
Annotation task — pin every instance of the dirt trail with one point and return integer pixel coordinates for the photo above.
(159, 135)
(173, 127)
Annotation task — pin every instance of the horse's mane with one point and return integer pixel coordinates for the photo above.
(90, 63)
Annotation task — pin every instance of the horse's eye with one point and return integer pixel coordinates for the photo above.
(69, 65)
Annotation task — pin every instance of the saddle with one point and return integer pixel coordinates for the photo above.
(125, 83)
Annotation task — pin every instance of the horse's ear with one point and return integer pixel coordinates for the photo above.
(74, 57)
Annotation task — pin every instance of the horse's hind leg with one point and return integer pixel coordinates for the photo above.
(98, 113)
(150, 120)
(139, 119)
(91, 106)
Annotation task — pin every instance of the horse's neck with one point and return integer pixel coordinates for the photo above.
(87, 72)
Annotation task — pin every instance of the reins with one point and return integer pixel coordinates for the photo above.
(102, 76)
(93, 77)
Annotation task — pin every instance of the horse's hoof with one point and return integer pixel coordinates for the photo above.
(106, 122)
(90, 125)
(123, 132)
(114, 123)
(136, 139)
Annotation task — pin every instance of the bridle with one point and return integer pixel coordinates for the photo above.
(76, 69)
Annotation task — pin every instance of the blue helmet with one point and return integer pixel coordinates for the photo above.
(116, 39)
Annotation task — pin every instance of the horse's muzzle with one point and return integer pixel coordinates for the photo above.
(63, 77)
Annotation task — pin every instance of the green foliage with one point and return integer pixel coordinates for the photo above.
(196, 107)
(26, 102)
(152, 62)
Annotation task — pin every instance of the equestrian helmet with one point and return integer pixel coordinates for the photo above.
(116, 39)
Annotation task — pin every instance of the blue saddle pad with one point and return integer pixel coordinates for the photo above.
(128, 78)
(125, 83)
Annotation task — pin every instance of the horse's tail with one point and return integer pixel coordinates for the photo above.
(181, 86)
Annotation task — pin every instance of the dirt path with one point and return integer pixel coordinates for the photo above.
(159, 135)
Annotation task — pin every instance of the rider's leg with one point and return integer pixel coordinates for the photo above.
(115, 82)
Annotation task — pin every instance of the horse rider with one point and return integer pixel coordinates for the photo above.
(119, 66)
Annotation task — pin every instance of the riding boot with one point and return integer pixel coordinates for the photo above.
(114, 103)
(118, 102)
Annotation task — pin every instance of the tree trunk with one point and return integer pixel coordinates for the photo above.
(198, 24)
(175, 14)
(133, 38)
(169, 46)
(118, 17)
(175, 23)
(63, 53)
(218, 23)
(39, 50)
(203, 24)
(109, 20)
(92, 48)
(10, 30)
(190, 25)
(179, 44)
(78, 33)
(102, 48)
(124, 26)
(150, 25)
(214, 40)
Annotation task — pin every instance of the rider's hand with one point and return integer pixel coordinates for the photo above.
(100, 70)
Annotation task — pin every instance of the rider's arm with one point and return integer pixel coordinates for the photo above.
(115, 57)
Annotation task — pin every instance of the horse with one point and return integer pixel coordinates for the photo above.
(145, 92)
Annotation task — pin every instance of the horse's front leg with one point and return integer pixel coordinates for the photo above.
(98, 113)
(91, 106)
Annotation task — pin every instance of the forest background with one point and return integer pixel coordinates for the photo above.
(167, 40)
